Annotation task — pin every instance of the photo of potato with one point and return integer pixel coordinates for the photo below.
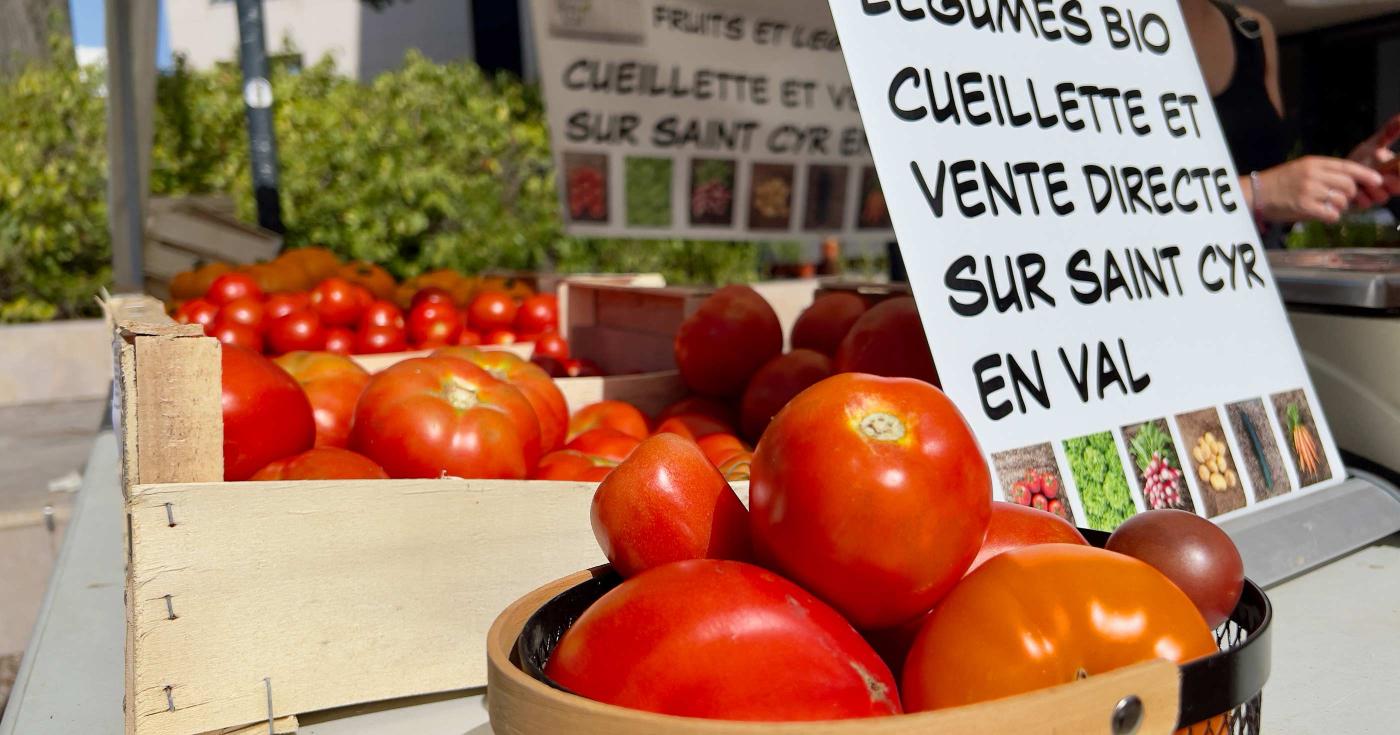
(1212, 468)
(770, 199)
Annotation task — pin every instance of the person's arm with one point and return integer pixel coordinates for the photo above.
(1269, 38)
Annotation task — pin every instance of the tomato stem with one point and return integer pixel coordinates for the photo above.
(460, 394)
(882, 427)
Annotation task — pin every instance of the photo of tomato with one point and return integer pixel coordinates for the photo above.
(586, 186)
(434, 416)
(900, 451)
(266, 414)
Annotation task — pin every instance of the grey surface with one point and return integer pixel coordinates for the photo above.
(1289, 539)
(1336, 637)
(1354, 278)
(71, 680)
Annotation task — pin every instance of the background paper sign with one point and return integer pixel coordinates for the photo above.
(705, 120)
(1093, 288)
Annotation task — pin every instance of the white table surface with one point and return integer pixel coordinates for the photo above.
(1336, 645)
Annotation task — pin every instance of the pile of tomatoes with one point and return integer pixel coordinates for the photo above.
(344, 317)
(871, 574)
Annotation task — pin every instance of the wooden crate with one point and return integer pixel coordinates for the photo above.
(873, 292)
(184, 233)
(549, 282)
(310, 595)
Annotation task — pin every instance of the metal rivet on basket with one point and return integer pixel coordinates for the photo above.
(1127, 715)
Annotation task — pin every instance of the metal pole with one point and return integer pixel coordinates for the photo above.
(124, 186)
(257, 99)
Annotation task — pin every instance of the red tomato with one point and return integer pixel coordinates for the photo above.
(237, 335)
(492, 311)
(603, 443)
(340, 340)
(1013, 526)
(333, 384)
(539, 389)
(693, 427)
(721, 640)
(323, 463)
(826, 322)
(380, 340)
(468, 338)
(550, 365)
(718, 448)
(431, 295)
(266, 415)
(381, 314)
(433, 322)
(197, 311)
(577, 368)
(733, 334)
(1045, 615)
(431, 416)
(853, 462)
(232, 286)
(298, 331)
(537, 314)
(567, 464)
(364, 297)
(722, 412)
(667, 503)
(888, 340)
(246, 311)
(500, 337)
(550, 344)
(613, 414)
(1195, 554)
(775, 384)
(279, 305)
(336, 302)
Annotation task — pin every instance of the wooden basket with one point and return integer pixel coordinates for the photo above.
(521, 705)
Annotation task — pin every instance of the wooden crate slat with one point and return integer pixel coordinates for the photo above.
(213, 233)
(340, 592)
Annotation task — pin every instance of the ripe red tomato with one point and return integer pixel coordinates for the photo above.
(775, 384)
(279, 305)
(539, 389)
(550, 344)
(340, 340)
(613, 414)
(246, 311)
(266, 415)
(364, 297)
(380, 340)
(667, 503)
(232, 286)
(888, 340)
(537, 314)
(197, 311)
(550, 365)
(854, 461)
(298, 331)
(237, 335)
(603, 443)
(381, 314)
(333, 384)
(322, 463)
(826, 322)
(433, 415)
(468, 338)
(1013, 526)
(500, 337)
(492, 311)
(718, 448)
(431, 295)
(720, 411)
(1045, 615)
(738, 643)
(579, 368)
(726, 341)
(1192, 552)
(433, 322)
(336, 302)
(693, 426)
(569, 465)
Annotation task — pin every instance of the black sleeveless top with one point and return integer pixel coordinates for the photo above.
(1254, 130)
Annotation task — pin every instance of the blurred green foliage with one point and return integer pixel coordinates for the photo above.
(430, 166)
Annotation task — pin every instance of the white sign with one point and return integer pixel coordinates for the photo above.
(1092, 286)
(705, 120)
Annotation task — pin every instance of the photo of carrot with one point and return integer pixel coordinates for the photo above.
(1300, 434)
(1303, 443)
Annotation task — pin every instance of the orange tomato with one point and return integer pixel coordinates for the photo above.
(333, 384)
(371, 276)
(1045, 615)
(614, 414)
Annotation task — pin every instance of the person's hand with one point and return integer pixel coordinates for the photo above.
(1313, 188)
(1375, 152)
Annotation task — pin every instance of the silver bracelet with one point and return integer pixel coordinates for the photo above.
(1254, 188)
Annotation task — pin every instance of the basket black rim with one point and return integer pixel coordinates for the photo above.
(1210, 686)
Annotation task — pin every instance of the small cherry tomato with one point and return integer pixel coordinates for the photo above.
(382, 314)
(232, 286)
(197, 311)
(298, 331)
(431, 295)
(579, 368)
(550, 344)
(492, 311)
(238, 335)
(433, 322)
(380, 340)
(336, 302)
(247, 311)
(537, 314)
(500, 337)
(468, 338)
(340, 340)
(279, 305)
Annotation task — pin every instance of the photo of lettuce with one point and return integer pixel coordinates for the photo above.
(1102, 483)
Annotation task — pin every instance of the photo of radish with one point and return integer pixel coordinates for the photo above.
(1159, 476)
